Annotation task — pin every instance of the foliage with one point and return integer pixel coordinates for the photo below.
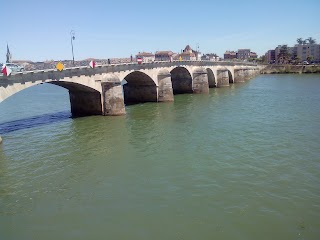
(284, 55)
(309, 40)
(309, 58)
(299, 40)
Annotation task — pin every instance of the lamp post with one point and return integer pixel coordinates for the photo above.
(72, 39)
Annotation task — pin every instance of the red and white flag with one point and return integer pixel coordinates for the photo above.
(92, 64)
(6, 70)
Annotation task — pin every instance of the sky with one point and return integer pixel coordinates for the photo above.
(39, 30)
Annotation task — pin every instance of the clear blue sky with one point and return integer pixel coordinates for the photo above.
(40, 30)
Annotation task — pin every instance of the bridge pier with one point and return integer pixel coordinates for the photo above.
(112, 97)
(239, 75)
(222, 78)
(246, 74)
(165, 91)
(200, 81)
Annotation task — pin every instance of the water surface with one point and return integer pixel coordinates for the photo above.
(239, 163)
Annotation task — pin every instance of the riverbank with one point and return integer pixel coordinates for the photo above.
(279, 69)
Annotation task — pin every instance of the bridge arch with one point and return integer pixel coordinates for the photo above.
(211, 78)
(84, 100)
(230, 75)
(181, 80)
(139, 88)
(224, 76)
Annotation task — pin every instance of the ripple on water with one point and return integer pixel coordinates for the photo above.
(238, 163)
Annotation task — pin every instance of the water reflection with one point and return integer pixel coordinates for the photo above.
(31, 122)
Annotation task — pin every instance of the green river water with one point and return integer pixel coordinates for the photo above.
(242, 162)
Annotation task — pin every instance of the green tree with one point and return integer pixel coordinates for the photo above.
(309, 58)
(284, 54)
(311, 40)
(262, 59)
(299, 40)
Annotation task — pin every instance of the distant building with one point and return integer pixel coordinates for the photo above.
(210, 57)
(146, 56)
(230, 55)
(194, 55)
(253, 55)
(164, 55)
(270, 56)
(300, 53)
(243, 54)
(308, 52)
(185, 56)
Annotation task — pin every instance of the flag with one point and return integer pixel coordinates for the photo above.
(6, 70)
(92, 64)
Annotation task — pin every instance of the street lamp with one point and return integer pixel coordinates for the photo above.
(72, 39)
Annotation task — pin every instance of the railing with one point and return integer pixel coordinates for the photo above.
(167, 63)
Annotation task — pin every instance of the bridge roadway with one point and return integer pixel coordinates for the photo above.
(103, 91)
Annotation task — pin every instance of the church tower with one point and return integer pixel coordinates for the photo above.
(9, 56)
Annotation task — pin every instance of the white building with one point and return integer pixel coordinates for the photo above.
(308, 52)
(164, 55)
(210, 57)
(146, 57)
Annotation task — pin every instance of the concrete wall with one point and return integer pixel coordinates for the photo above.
(222, 78)
(165, 90)
(239, 75)
(113, 102)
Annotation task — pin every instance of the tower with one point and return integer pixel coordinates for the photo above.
(9, 56)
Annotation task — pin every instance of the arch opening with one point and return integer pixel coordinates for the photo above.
(139, 88)
(181, 80)
(211, 78)
(230, 76)
(84, 101)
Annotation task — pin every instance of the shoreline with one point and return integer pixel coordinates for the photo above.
(288, 69)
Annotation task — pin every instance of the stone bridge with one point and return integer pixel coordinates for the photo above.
(105, 90)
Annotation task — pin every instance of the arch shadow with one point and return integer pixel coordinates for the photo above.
(181, 80)
(45, 119)
(139, 88)
(84, 101)
(231, 80)
(211, 78)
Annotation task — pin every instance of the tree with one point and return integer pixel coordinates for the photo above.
(304, 42)
(309, 58)
(284, 54)
(262, 59)
(311, 40)
(299, 40)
